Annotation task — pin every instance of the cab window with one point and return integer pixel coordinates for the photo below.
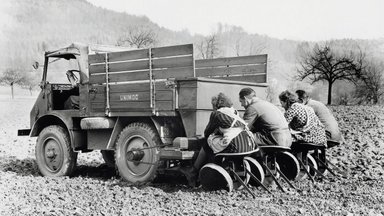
(57, 68)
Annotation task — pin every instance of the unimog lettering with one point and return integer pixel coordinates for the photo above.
(129, 97)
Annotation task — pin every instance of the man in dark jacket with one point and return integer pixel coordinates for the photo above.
(265, 120)
(325, 115)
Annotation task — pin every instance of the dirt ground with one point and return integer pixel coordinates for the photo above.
(96, 190)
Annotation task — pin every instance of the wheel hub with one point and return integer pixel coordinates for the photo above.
(53, 154)
(135, 155)
(138, 157)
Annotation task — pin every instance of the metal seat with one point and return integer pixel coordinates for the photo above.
(309, 165)
(273, 149)
(269, 162)
(302, 146)
(238, 155)
(240, 167)
(321, 158)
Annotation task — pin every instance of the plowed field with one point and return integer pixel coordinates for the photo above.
(96, 190)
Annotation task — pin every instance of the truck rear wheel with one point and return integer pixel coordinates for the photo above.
(54, 154)
(137, 156)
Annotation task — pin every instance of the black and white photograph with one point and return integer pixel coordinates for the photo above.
(199, 107)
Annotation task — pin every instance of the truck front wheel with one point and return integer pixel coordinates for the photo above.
(54, 155)
(137, 154)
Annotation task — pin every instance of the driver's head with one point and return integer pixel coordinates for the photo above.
(72, 78)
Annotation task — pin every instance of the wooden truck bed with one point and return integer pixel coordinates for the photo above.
(155, 81)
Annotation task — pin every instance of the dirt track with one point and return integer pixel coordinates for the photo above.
(95, 190)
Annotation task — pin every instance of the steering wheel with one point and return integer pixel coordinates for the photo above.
(72, 78)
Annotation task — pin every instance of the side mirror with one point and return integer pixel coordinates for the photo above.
(35, 65)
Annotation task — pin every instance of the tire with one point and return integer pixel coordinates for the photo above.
(245, 177)
(137, 136)
(214, 177)
(289, 165)
(108, 157)
(54, 154)
(268, 178)
(313, 162)
(256, 170)
(323, 170)
(303, 174)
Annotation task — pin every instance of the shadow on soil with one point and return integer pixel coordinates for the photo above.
(27, 167)
(23, 167)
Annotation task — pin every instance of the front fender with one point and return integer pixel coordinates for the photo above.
(63, 118)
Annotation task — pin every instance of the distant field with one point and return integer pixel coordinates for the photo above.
(5, 92)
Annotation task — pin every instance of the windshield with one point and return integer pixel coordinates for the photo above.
(57, 68)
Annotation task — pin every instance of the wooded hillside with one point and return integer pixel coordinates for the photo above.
(34, 26)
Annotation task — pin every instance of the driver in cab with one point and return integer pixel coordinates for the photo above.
(73, 101)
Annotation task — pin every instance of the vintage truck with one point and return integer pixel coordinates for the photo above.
(144, 109)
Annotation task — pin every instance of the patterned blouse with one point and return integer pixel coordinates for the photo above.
(240, 143)
(312, 132)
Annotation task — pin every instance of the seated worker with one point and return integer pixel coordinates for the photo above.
(265, 120)
(305, 125)
(226, 132)
(73, 101)
(325, 116)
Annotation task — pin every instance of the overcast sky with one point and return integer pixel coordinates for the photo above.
(284, 19)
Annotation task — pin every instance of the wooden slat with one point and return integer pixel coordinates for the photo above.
(129, 66)
(242, 60)
(172, 51)
(251, 78)
(222, 71)
(132, 106)
(129, 87)
(95, 69)
(96, 58)
(132, 87)
(133, 96)
(173, 73)
(122, 106)
(185, 61)
(120, 77)
(128, 55)
(121, 66)
(97, 79)
(129, 76)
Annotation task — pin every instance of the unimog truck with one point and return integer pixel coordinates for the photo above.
(145, 109)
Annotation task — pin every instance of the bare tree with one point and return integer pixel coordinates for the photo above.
(257, 47)
(323, 64)
(31, 81)
(370, 86)
(238, 46)
(10, 77)
(138, 37)
(208, 47)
